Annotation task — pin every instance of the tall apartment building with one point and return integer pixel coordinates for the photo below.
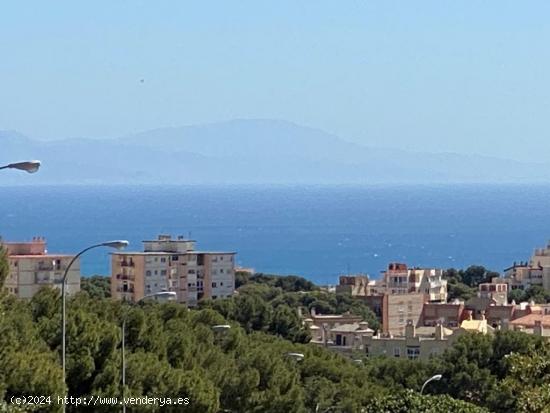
(168, 264)
(31, 267)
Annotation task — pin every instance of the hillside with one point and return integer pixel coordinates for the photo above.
(249, 152)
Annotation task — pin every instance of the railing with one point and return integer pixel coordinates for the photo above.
(124, 277)
(46, 280)
(127, 263)
(127, 290)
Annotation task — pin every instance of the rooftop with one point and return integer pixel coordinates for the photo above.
(171, 253)
(530, 320)
(350, 328)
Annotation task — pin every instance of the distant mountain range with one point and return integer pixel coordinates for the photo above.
(248, 152)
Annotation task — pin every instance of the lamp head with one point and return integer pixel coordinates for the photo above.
(118, 244)
(221, 328)
(27, 166)
(295, 356)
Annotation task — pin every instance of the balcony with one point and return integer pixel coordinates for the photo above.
(127, 263)
(125, 277)
(44, 280)
(125, 289)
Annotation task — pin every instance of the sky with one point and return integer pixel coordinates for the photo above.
(437, 76)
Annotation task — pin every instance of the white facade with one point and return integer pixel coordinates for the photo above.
(399, 279)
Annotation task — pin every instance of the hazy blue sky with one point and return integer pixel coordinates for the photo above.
(428, 75)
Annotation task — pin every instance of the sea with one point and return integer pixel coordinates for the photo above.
(318, 232)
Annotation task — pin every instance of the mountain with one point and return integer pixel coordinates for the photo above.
(249, 152)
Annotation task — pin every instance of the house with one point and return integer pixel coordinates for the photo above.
(416, 343)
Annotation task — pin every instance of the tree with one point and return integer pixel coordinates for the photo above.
(517, 295)
(537, 294)
(529, 375)
(476, 274)
(408, 401)
(96, 286)
(4, 266)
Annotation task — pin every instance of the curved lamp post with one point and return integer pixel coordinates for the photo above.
(437, 377)
(27, 166)
(164, 294)
(118, 244)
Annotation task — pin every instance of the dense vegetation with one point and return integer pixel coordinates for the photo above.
(462, 284)
(174, 352)
(270, 303)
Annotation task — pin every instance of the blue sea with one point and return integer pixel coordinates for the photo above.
(317, 232)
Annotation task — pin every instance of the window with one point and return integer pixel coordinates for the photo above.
(148, 273)
(221, 270)
(162, 272)
(214, 285)
(396, 352)
(221, 284)
(413, 353)
(163, 259)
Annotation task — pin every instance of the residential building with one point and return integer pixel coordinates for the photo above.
(397, 279)
(538, 324)
(421, 342)
(31, 267)
(522, 275)
(354, 285)
(498, 292)
(399, 309)
(472, 325)
(341, 332)
(447, 314)
(168, 264)
(415, 343)
(494, 295)
(534, 272)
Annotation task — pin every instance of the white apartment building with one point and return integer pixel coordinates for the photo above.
(399, 279)
(168, 264)
(31, 267)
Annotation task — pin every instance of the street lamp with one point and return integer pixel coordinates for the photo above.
(27, 166)
(437, 377)
(118, 244)
(295, 356)
(221, 328)
(164, 294)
